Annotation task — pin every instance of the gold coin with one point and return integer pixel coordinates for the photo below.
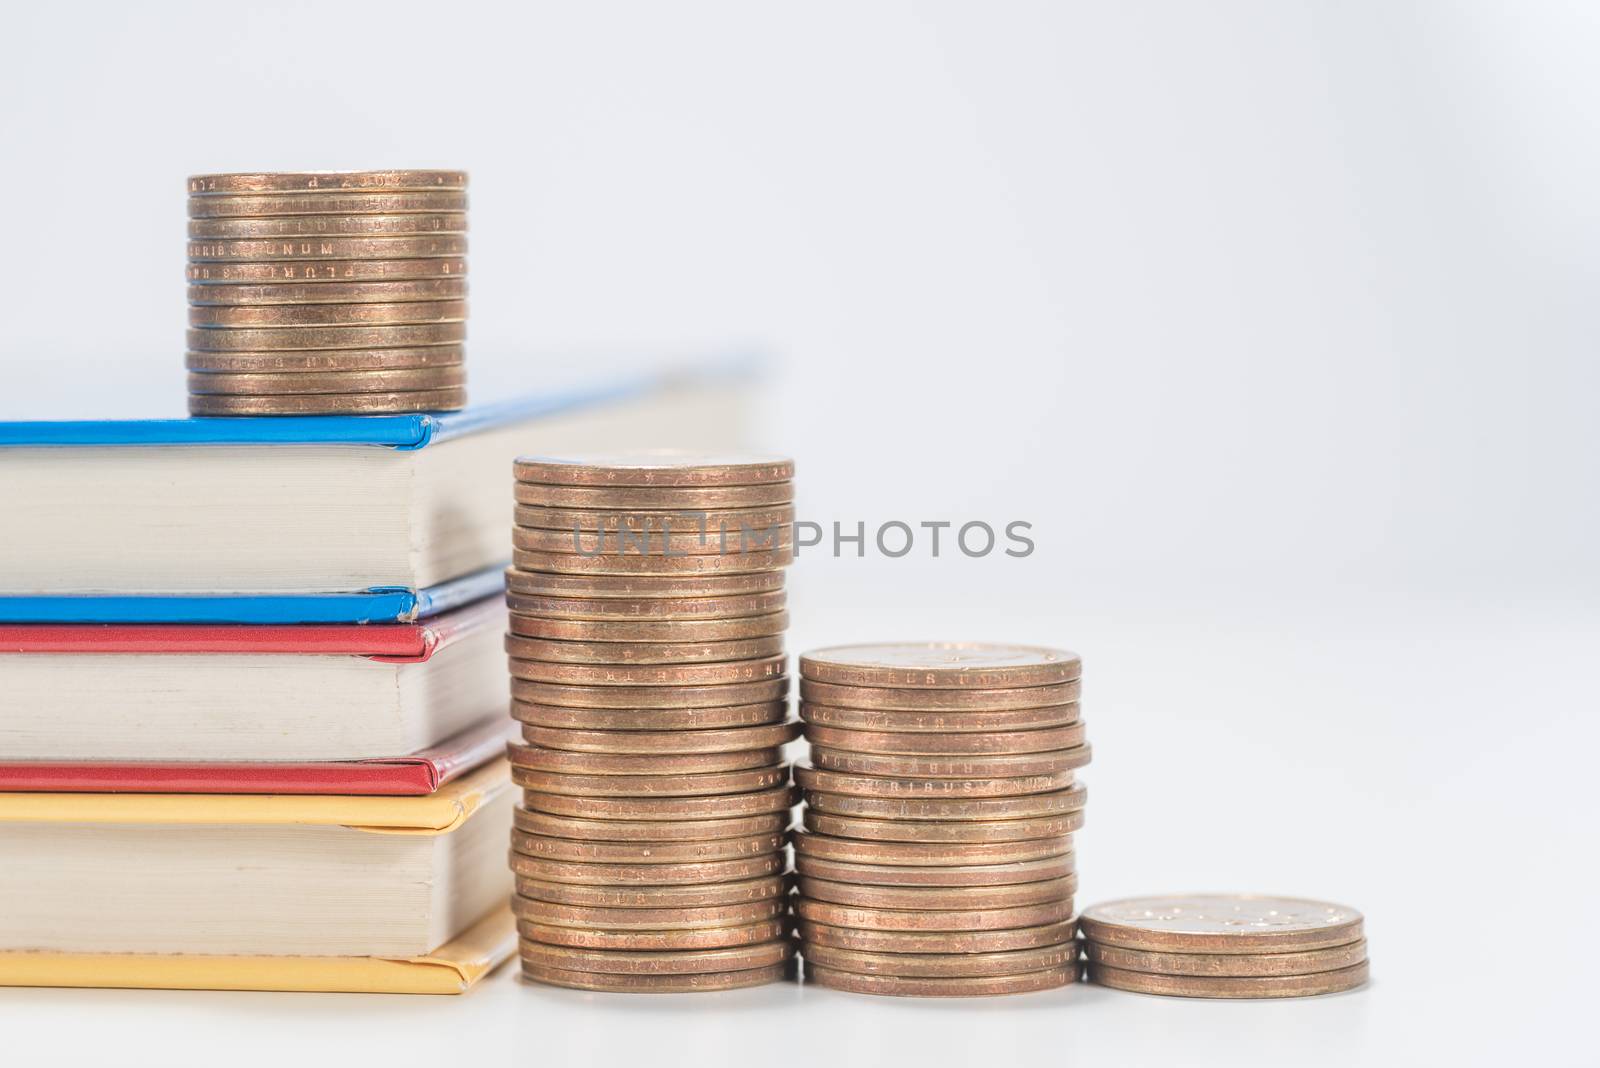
(593, 544)
(547, 914)
(293, 382)
(564, 652)
(326, 272)
(674, 498)
(891, 697)
(943, 965)
(939, 897)
(431, 400)
(255, 250)
(723, 806)
(274, 339)
(269, 316)
(941, 665)
(1228, 964)
(1211, 986)
(622, 962)
(629, 676)
(1009, 772)
(1013, 830)
(648, 832)
(949, 987)
(255, 206)
(976, 809)
(772, 888)
(811, 778)
(1045, 740)
(650, 630)
(312, 226)
(565, 762)
(327, 182)
(898, 721)
(655, 984)
(656, 743)
(327, 361)
(739, 869)
(733, 693)
(649, 608)
(1049, 912)
(554, 585)
(689, 720)
(665, 941)
(300, 293)
(906, 875)
(1221, 923)
(729, 519)
(929, 854)
(654, 467)
(714, 849)
(672, 785)
(706, 564)
(876, 941)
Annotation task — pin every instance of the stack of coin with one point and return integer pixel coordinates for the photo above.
(1225, 946)
(323, 293)
(649, 676)
(937, 853)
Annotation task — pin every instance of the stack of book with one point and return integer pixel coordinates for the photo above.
(252, 694)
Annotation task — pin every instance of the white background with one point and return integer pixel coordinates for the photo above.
(1277, 320)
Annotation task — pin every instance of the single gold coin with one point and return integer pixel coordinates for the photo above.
(658, 743)
(811, 778)
(943, 965)
(633, 853)
(428, 400)
(962, 809)
(567, 652)
(732, 520)
(724, 806)
(1012, 830)
(1049, 912)
(548, 914)
(734, 693)
(1221, 923)
(711, 871)
(879, 941)
(941, 665)
(562, 761)
(326, 361)
(597, 721)
(684, 899)
(900, 721)
(648, 832)
(1228, 965)
(918, 700)
(302, 226)
(255, 206)
(667, 941)
(650, 630)
(1056, 740)
(950, 987)
(655, 984)
(674, 498)
(660, 963)
(655, 467)
(326, 182)
(906, 875)
(939, 897)
(645, 564)
(296, 382)
(1211, 986)
(629, 676)
(301, 293)
(929, 854)
(326, 272)
(592, 544)
(255, 250)
(274, 339)
(649, 608)
(553, 585)
(268, 316)
(1008, 772)
(673, 785)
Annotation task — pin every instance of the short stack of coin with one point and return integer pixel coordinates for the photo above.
(937, 856)
(1225, 946)
(327, 292)
(649, 676)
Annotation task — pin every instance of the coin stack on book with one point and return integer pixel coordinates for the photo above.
(327, 292)
(937, 855)
(1225, 946)
(646, 647)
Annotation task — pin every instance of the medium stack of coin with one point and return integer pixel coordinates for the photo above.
(1225, 946)
(649, 676)
(937, 857)
(327, 292)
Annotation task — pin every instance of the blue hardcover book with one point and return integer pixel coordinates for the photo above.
(321, 519)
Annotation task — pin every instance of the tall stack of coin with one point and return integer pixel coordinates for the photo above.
(327, 292)
(648, 672)
(1225, 946)
(937, 854)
